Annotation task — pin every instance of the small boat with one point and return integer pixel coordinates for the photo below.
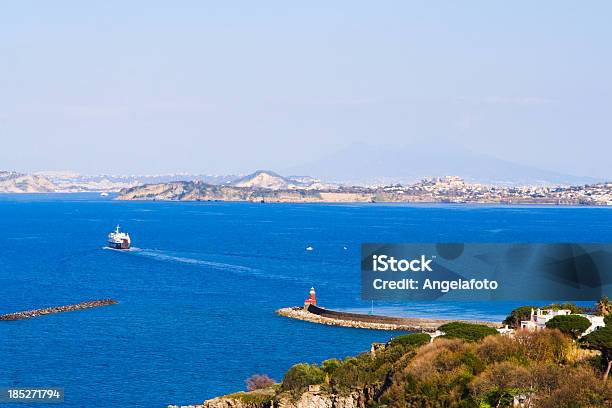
(104, 194)
(119, 240)
(309, 248)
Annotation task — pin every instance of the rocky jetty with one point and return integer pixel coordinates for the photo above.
(26, 314)
(315, 314)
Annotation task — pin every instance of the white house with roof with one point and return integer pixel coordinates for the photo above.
(539, 317)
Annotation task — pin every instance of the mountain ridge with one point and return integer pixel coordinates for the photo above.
(361, 163)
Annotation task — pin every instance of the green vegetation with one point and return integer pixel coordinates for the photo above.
(601, 340)
(545, 367)
(467, 331)
(412, 339)
(300, 376)
(573, 325)
(261, 397)
(471, 366)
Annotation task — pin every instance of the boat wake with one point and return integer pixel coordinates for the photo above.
(168, 257)
(187, 259)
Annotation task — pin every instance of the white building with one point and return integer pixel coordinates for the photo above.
(538, 319)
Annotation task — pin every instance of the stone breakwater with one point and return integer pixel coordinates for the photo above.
(26, 314)
(315, 314)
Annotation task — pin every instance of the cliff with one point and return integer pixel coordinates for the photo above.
(308, 399)
(195, 191)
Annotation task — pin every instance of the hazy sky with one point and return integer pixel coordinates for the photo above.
(232, 86)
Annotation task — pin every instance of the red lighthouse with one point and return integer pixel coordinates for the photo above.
(312, 300)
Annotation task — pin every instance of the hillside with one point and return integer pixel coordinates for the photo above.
(473, 367)
(12, 182)
(272, 181)
(438, 190)
(196, 191)
(265, 179)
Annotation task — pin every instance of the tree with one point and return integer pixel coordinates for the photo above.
(466, 331)
(572, 325)
(604, 306)
(601, 340)
(258, 381)
(517, 315)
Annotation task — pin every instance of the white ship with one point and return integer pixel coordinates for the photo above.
(119, 240)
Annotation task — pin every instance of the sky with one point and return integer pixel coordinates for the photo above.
(223, 87)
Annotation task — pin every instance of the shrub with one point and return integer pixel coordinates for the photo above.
(550, 346)
(439, 372)
(494, 349)
(577, 387)
(358, 371)
(412, 339)
(257, 399)
(467, 331)
(608, 320)
(572, 325)
(498, 384)
(331, 365)
(258, 381)
(300, 376)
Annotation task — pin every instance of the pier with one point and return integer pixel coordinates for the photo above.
(27, 314)
(315, 314)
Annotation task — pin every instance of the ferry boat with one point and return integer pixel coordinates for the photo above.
(119, 240)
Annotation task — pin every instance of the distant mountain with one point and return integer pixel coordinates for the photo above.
(375, 164)
(270, 180)
(12, 182)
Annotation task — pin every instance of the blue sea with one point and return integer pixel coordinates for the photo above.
(198, 291)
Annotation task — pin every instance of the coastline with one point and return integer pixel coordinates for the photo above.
(452, 190)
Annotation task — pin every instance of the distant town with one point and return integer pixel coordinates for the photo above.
(267, 186)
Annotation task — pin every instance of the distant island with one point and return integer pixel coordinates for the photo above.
(265, 186)
(268, 186)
